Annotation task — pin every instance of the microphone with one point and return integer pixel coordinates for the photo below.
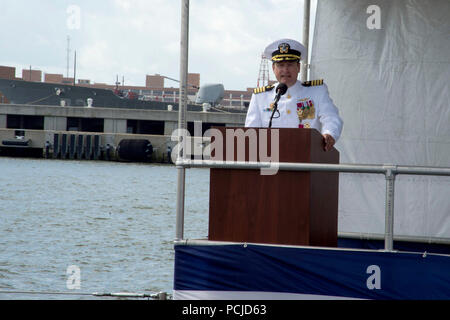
(280, 90)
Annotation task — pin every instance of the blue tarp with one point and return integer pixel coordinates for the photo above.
(365, 274)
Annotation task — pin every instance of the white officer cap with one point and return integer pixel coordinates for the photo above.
(285, 50)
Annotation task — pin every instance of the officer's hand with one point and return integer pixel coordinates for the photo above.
(328, 142)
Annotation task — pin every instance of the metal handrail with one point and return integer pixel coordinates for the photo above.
(389, 171)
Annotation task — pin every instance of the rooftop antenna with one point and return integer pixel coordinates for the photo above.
(263, 77)
(117, 82)
(68, 55)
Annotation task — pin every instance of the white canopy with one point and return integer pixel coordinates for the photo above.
(391, 86)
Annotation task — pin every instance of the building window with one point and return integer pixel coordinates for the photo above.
(145, 127)
(85, 124)
(17, 121)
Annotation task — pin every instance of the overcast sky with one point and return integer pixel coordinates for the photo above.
(132, 38)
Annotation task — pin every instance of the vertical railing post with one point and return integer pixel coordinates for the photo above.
(184, 46)
(389, 209)
(305, 40)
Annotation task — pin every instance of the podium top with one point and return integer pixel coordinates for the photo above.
(291, 145)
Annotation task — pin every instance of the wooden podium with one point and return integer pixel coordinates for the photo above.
(290, 207)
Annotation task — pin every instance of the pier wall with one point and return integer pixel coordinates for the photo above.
(60, 113)
(40, 139)
(72, 127)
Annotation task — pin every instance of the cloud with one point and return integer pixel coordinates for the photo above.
(227, 38)
(133, 38)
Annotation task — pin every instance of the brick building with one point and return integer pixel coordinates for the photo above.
(154, 88)
(32, 75)
(154, 81)
(53, 78)
(7, 72)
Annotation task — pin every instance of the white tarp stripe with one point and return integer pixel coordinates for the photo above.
(248, 295)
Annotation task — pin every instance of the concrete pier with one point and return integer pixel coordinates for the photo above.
(68, 149)
(102, 128)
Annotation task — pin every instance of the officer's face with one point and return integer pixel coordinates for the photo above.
(286, 71)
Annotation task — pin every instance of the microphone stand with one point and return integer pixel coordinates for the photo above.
(280, 90)
(275, 107)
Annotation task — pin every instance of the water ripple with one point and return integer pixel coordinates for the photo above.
(115, 221)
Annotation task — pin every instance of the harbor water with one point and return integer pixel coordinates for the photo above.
(111, 222)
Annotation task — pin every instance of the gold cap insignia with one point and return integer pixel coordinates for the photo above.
(284, 47)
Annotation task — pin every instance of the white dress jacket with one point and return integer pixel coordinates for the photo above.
(302, 106)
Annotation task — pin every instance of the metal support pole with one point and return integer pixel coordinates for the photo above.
(306, 15)
(74, 67)
(389, 216)
(184, 46)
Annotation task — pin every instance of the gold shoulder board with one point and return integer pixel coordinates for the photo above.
(313, 83)
(263, 89)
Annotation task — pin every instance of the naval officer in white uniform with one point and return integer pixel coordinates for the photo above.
(304, 105)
